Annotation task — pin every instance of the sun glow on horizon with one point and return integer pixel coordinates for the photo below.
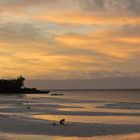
(60, 39)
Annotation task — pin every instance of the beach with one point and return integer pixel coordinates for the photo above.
(89, 115)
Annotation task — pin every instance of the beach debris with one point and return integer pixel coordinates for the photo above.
(28, 107)
(54, 123)
(62, 122)
(57, 94)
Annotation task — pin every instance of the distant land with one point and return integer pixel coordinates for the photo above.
(120, 83)
(12, 86)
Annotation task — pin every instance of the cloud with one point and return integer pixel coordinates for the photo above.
(67, 12)
(80, 18)
(75, 38)
(18, 32)
(120, 43)
(127, 6)
(90, 5)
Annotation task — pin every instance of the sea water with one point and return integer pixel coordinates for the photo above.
(103, 107)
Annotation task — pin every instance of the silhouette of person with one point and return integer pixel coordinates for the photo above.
(62, 122)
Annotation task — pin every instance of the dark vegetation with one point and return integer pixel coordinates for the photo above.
(17, 86)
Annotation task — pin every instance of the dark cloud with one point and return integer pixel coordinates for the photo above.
(110, 74)
(134, 5)
(123, 5)
(92, 5)
(131, 6)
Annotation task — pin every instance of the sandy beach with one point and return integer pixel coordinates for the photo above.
(106, 119)
(37, 127)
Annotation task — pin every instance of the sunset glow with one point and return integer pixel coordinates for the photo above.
(68, 39)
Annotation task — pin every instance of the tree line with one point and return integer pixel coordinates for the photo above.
(17, 86)
(12, 85)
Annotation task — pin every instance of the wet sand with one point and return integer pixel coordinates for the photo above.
(39, 127)
(16, 119)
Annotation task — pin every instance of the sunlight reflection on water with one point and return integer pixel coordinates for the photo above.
(121, 102)
(43, 137)
(92, 119)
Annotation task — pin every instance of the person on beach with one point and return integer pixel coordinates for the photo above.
(62, 122)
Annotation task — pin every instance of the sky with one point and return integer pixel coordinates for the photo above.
(69, 39)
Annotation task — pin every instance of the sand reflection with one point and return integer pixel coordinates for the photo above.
(92, 119)
(110, 137)
(135, 136)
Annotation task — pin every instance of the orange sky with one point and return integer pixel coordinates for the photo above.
(68, 39)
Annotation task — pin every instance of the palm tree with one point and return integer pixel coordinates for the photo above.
(20, 82)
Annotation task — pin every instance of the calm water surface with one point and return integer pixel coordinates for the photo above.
(108, 107)
(103, 102)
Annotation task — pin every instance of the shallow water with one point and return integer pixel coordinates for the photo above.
(119, 96)
(92, 119)
(107, 107)
(82, 106)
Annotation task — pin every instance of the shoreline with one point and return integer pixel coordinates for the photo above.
(16, 118)
(40, 127)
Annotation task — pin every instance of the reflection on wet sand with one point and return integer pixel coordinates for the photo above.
(96, 107)
(117, 137)
(3, 136)
(92, 119)
(91, 114)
